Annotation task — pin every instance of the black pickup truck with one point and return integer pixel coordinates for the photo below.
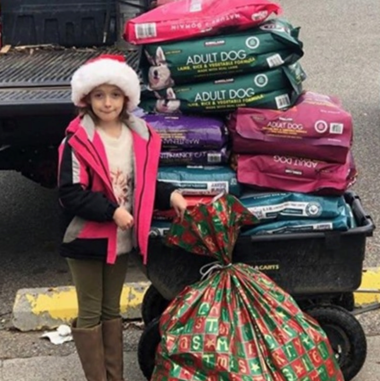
(43, 42)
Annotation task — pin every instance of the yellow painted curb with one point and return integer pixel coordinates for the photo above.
(370, 282)
(40, 308)
(47, 308)
(131, 299)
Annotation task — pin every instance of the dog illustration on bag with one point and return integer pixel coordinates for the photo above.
(168, 105)
(159, 72)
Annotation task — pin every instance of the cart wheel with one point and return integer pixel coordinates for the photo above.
(146, 352)
(347, 301)
(153, 305)
(346, 337)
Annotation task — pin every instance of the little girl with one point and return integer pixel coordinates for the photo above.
(108, 190)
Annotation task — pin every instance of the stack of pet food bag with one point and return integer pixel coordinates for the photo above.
(193, 84)
(208, 66)
(304, 151)
(194, 158)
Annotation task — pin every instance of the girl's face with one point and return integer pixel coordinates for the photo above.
(107, 102)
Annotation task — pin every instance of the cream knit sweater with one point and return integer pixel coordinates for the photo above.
(119, 153)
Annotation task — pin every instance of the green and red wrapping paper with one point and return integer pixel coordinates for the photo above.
(236, 324)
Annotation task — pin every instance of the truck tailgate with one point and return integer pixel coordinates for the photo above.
(35, 81)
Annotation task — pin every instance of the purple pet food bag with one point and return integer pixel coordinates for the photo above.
(180, 133)
(170, 158)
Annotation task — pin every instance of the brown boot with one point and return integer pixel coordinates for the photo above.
(113, 349)
(89, 344)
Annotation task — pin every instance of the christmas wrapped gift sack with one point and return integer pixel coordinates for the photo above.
(236, 324)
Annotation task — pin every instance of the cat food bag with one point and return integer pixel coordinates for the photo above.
(159, 228)
(352, 223)
(274, 89)
(186, 19)
(202, 181)
(265, 47)
(194, 158)
(182, 133)
(293, 174)
(270, 206)
(317, 127)
(339, 223)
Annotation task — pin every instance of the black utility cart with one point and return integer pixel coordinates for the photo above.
(321, 270)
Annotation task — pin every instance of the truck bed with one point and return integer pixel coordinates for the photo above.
(35, 80)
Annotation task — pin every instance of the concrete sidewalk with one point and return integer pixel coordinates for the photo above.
(68, 368)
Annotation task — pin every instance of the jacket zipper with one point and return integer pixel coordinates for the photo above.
(142, 189)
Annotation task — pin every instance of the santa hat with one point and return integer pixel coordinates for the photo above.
(106, 69)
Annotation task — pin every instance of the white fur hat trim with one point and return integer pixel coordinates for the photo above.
(106, 70)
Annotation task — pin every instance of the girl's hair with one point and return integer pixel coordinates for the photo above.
(87, 110)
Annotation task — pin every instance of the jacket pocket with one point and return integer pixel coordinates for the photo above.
(74, 229)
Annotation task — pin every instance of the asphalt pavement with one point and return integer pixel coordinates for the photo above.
(66, 367)
(342, 58)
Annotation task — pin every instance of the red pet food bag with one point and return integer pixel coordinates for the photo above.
(192, 202)
(294, 174)
(186, 19)
(317, 127)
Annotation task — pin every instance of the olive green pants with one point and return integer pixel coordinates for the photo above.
(98, 288)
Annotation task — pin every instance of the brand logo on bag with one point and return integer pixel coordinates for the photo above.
(259, 16)
(313, 209)
(215, 43)
(321, 126)
(252, 42)
(261, 80)
(272, 26)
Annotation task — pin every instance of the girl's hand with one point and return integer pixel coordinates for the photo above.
(123, 219)
(179, 203)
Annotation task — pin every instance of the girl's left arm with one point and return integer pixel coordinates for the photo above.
(163, 193)
(168, 197)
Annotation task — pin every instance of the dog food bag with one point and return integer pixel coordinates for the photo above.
(201, 181)
(267, 207)
(185, 19)
(317, 127)
(274, 89)
(171, 158)
(182, 133)
(293, 174)
(272, 44)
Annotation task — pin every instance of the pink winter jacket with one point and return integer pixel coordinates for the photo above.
(87, 197)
